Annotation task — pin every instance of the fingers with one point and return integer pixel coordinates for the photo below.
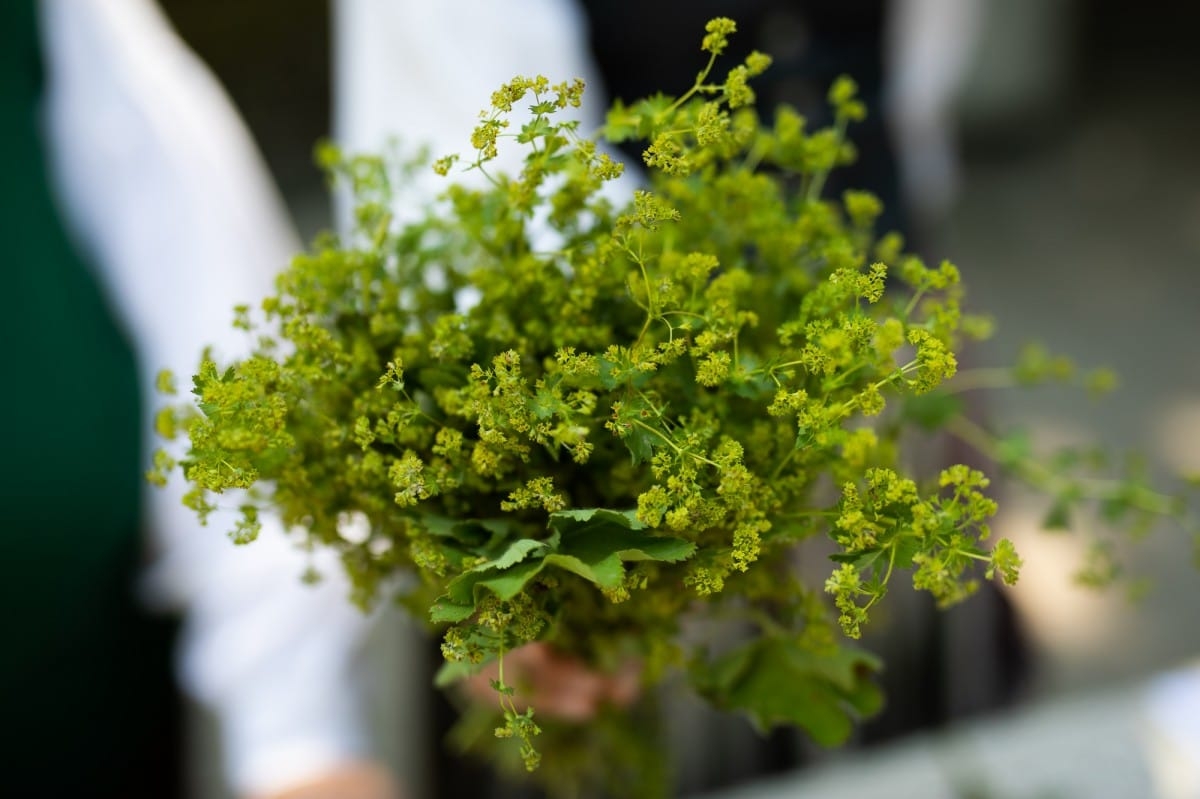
(557, 685)
(625, 685)
(349, 781)
(561, 686)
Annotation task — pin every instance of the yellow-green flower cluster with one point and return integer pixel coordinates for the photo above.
(635, 422)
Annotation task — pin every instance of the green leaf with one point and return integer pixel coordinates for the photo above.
(597, 541)
(610, 373)
(620, 123)
(445, 612)
(544, 404)
(1013, 449)
(468, 588)
(453, 671)
(516, 552)
(863, 559)
(606, 572)
(776, 681)
(1059, 516)
(640, 443)
(471, 533)
(593, 543)
(535, 129)
(566, 520)
(635, 420)
(650, 112)
(933, 410)
(595, 533)
(907, 548)
(878, 557)
(1114, 508)
(747, 381)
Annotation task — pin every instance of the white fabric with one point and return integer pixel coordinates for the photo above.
(1171, 726)
(165, 190)
(929, 50)
(419, 73)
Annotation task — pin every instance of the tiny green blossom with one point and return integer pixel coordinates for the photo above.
(717, 33)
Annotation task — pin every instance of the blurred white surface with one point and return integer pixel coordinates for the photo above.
(1135, 742)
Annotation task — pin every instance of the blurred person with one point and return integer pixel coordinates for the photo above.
(167, 198)
(161, 219)
(140, 214)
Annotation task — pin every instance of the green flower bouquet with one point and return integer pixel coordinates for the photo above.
(637, 426)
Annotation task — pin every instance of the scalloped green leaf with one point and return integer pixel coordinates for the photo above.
(466, 589)
(777, 681)
(575, 518)
(445, 612)
(513, 554)
(471, 533)
(594, 534)
(451, 672)
(593, 543)
(606, 572)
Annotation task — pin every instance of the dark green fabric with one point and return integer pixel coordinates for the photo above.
(83, 679)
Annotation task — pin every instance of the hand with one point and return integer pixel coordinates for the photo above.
(556, 685)
(349, 781)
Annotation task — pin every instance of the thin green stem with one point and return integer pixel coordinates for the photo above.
(778, 470)
(886, 577)
(678, 449)
(697, 86)
(818, 182)
(911, 366)
(754, 156)
(684, 313)
(912, 303)
(809, 514)
(650, 311)
(975, 379)
(972, 555)
(1043, 478)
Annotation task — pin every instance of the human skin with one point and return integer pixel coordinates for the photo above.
(357, 780)
(554, 684)
(557, 685)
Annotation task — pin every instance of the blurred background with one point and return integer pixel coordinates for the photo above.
(1075, 218)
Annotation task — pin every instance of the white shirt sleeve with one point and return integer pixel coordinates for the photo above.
(419, 73)
(929, 49)
(164, 189)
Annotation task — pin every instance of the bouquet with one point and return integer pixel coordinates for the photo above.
(646, 417)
